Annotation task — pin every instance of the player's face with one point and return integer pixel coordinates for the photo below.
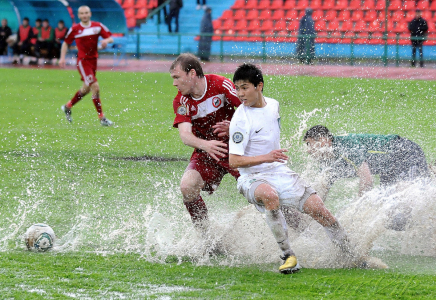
(183, 81)
(249, 94)
(84, 14)
(319, 148)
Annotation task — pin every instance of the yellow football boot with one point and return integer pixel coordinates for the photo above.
(290, 265)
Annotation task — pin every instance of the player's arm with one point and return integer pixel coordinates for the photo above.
(215, 149)
(241, 161)
(222, 128)
(366, 181)
(64, 50)
(106, 41)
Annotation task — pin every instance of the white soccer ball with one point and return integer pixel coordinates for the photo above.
(39, 237)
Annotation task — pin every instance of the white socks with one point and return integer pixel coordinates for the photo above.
(277, 223)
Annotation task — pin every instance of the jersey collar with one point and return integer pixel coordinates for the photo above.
(205, 90)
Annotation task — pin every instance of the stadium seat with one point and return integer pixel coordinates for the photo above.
(301, 14)
(362, 38)
(280, 25)
(315, 4)
(359, 26)
(368, 4)
(216, 23)
(347, 37)
(241, 24)
(370, 15)
(375, 26)
(423, 5)
(241, 36)
(321, 37)
(320, 25)
(330, 15)
(141, 4)
(217, 35)
(227, 14)
(376, 38)
(426, 15)
(141, 13)
(240, 14)
(289, 4)
(397, 16)
(278, 14)
(152, 4)
(255, 36)
(302, 4)
(129, 13)
(341, 5)
(431, 27)
(119, 1)
(430, 42)
(328, 4)
(381, 15)
(344, 15)
(276, 4)
(227, 24)
(265, 14)
(131, 22)
(357, 15)
(293, 25)
(409, 5)
(270, 36)
(394, 5)
(239, 4)
(291, 15)
(410, 15)
(252, 14)
(400, 27)
(251, 4)
(128, 4)
(254, 25)
(433, 6)
(380, 5)
(354, 4)
(263, 4)
(227, 37)
(333, 25)
(335, 37)
(346, 26)
(267, 25)
(390, 26)
(404, 39)
(318, 15)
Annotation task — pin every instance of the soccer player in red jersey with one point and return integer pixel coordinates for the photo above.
(204, 107)
(86, 35)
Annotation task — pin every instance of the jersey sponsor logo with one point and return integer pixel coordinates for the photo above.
(181, 110)
(88, 32)
(237, 137)
(216, 102)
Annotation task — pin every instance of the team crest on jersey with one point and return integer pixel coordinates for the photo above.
(216, 102)
(181, 110)
(237, 137)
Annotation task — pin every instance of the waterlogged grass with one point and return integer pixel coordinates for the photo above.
(75, 178)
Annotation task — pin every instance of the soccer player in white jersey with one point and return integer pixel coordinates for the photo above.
(86, 34)
(265, 179)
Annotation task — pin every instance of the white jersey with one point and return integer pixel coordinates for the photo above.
(256, 131)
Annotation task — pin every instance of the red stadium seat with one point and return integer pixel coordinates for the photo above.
(227, 37)
(321, 37)
(216, 23)
(376, 38)
(119, 1)
(344, 15)
(276, 4)
(241, 24)
(335, 37)
(129, 13)
(270, 36)
(254, 25)
(278, 14)
(241, 36)
(216, 36)
(381, 15)
(330, 15)
(359, 26)
(267, 25)
(315, 4)
(252, 14)
(240, 14)
(341, 4)
(251, 4)
(409, 5)
(264, 4)
(404, 39)
(410, 15)
(375, 26)
(394, 5)
(362, 38)
(265, 14)
(141, 13)
(390, 26)
(280, 25)
(131, 22)
(397, 16)
(370, 15)
(301, 14)
(291, 15)
(227, 14)
(357, 15)
(368, 4)
(430, 42)
(302, 4)
(289, 4)
(354, 4)
(346, 26)
(347, 37)
(426, 15)
(239, 4)
(400, 27)
(227, 24)
(333, 25)
(128, 4)
(328, 4)
(380, 5)
(431, 26)
(318, 15)
(141, 4)
(293, 25)
(152, 4)
(255, 36)
(423, 5)
(433, 6)
(392, 38)
(320, 25)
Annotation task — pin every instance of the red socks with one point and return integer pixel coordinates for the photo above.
(198, 210)
(77, 97)
(97, 105)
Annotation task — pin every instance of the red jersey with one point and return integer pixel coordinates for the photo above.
(216, 105)
(87, 38)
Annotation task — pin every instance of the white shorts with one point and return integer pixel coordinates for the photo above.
(292, 190)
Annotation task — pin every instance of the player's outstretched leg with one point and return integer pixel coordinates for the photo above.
(95, 88)
(276, 221)
(76, 98)
(67, 112)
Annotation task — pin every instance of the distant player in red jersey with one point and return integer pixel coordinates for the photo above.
(204, 107)
(86, 35)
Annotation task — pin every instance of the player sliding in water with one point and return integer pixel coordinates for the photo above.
(265, 179)
(203, 107)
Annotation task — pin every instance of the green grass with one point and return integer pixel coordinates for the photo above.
(71, 177)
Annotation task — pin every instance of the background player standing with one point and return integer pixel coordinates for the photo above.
(86, 35)
(203, 106)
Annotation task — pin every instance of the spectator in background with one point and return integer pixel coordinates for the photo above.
(60, 33)
(24, 35)
(164, 9)
(199, 6)
(5, 33)
(306, 38)
(175, 6)
(45, 41)
(418, 28)
(205, 42)
(36, 29)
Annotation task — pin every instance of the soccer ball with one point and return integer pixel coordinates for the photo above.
(39, 237)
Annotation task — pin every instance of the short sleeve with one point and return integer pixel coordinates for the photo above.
(239, 133)
(230, 93)
(104, 33)
(69, 38)
(181, 111)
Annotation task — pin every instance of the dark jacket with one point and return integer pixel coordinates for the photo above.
(5, 32)
(176, 4)
(206, 23)
(418, 27)
(307, 25)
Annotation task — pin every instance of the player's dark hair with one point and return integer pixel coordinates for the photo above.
(250, 73)
(317, 132)
(187, 62)
(26, 19)
(62, 22)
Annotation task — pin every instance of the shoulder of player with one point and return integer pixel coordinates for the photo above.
(219, 81)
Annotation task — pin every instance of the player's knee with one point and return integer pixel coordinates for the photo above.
(268, 196)
(189, 191)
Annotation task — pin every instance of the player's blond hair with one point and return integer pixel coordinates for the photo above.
(187, 62)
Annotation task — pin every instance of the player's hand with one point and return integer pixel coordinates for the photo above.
(221, 128)
(277, 155)
(103, 44)
(61, 62)
(215, 149)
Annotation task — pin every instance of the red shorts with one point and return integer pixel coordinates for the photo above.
(211, 171)
(87, 69)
